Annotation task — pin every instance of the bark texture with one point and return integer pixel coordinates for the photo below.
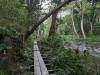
(54, 25)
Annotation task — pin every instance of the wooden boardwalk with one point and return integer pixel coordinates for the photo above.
(39, 65)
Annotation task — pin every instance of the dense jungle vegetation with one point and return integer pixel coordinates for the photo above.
(53, 24)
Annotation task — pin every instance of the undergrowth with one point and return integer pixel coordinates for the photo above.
(65, 61)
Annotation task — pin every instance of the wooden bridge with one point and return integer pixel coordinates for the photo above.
(40, 67)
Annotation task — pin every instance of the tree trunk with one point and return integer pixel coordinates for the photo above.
(29, 32)
(54, 25)
(75, 31)
(92, 17)
(91, 27)
(82, 27)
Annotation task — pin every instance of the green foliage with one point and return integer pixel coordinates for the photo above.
(56, 1)
(53, 42)
(2, 46)
(65, 26)
(66, 62)
(12, 16)
(89, 11)
(93, 38)
(13, 24)
(15, 19)
(3, 72)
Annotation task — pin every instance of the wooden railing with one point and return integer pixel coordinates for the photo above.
(39, 65)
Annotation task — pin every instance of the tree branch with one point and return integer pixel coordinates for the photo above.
(28, 33)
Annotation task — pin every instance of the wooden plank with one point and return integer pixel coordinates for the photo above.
(42, 65)
(39, 65)
(37, 70)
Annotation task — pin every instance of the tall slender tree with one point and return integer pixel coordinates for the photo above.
(73, 23)
(92, 16)
(82, 22)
